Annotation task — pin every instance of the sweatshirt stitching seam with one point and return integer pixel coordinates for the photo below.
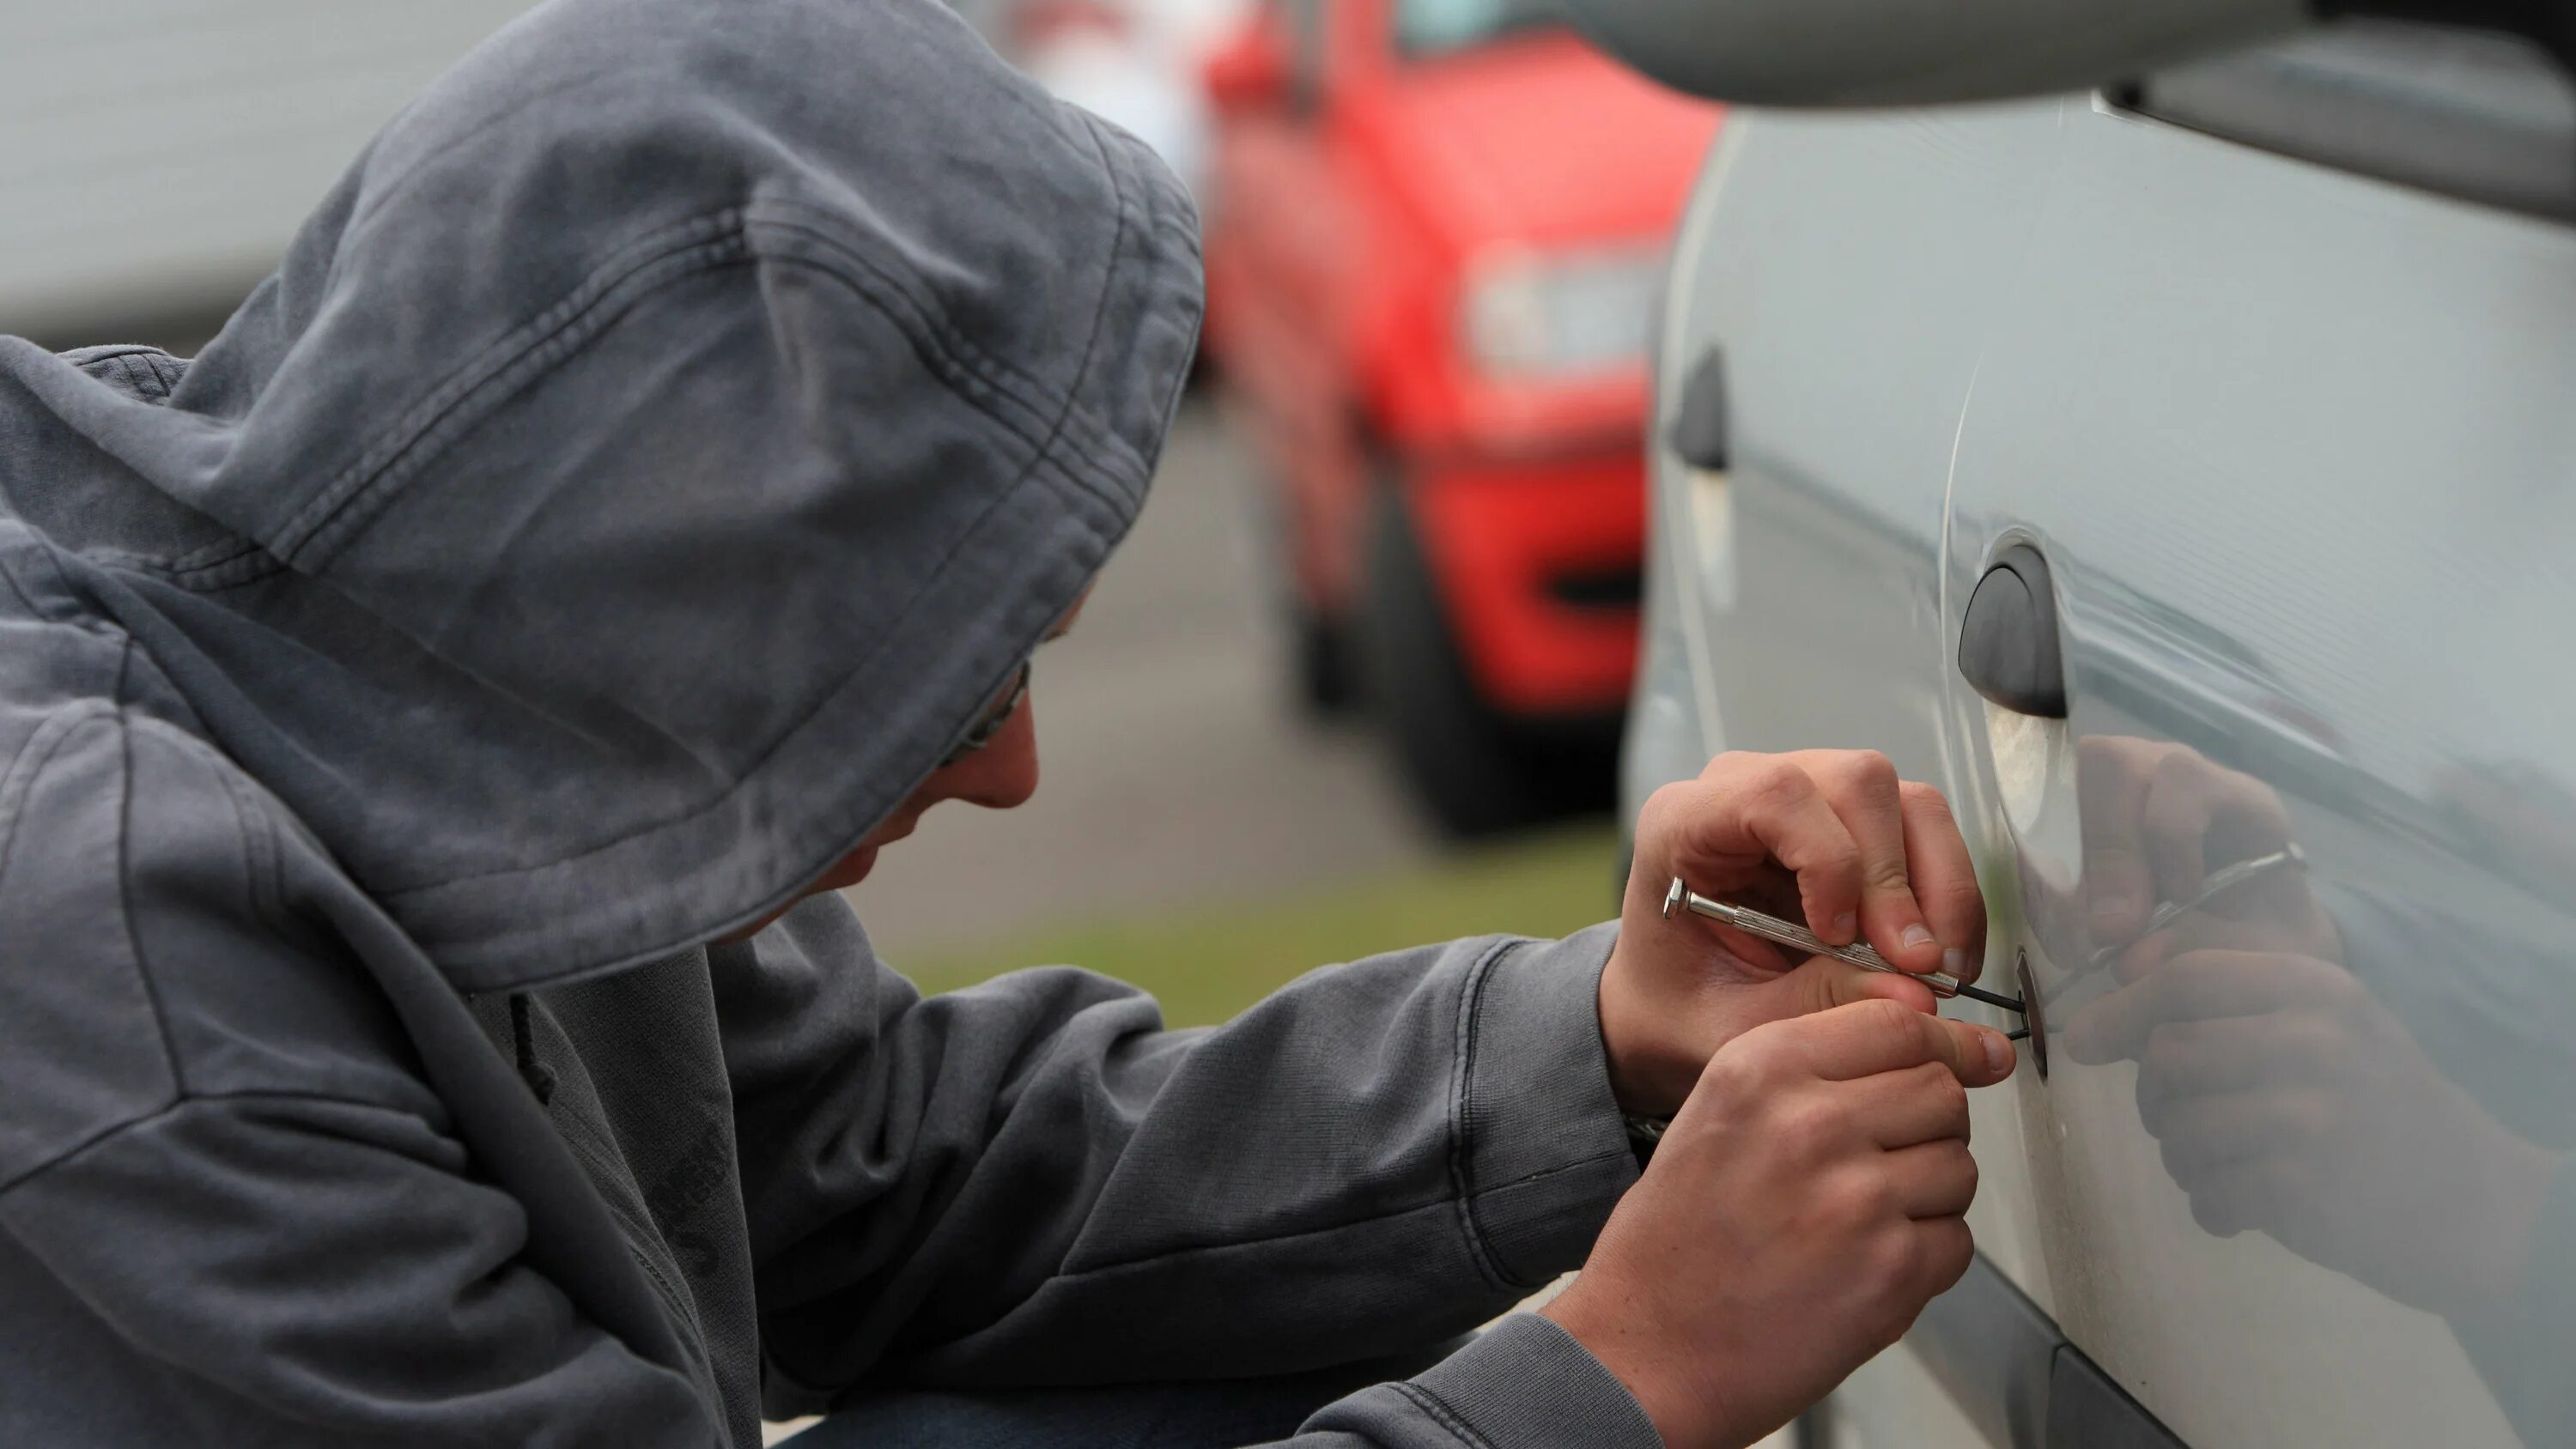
(990, 369)
(528, 353)
(941, 338)
(1440, 1413)
(494, 359)
(1091, 1270)
(125, 878)
(1471, 998)
(1109, 277)
(9, 580)
(181, 1103)
(538, 346)
(19, 780)
(1001, 376)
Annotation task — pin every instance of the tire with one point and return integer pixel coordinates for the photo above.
(1459, 756)
(1318, 653)
(1321, 671)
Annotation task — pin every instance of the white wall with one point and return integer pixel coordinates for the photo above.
(155, 155)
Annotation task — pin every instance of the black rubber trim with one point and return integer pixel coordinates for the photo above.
(1993, 1351)
(2015, 1377)
(2476, 115)
(2549, 24)
(2086, 1408)
(1699, 432)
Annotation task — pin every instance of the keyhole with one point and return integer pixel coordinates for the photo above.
(2031, 1012)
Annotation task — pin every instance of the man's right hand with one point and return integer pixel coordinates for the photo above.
(1802, 1208)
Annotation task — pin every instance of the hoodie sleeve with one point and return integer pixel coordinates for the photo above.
(1523, 1384)
(1031, 1182)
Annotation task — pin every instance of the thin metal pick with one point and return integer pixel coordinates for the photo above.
(2219, 883)
(1787, 933)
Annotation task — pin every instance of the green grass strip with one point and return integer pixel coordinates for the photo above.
(1205, 963)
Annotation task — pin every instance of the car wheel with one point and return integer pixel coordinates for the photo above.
(1457, 753)
(1321, 669)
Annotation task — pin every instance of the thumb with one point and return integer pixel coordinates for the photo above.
(1979, 1056)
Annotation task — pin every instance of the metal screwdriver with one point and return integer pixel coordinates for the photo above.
(1787, 933)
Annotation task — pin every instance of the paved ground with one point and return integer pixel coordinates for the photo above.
(1174, 767)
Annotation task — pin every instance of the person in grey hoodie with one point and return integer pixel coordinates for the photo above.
(435, 717)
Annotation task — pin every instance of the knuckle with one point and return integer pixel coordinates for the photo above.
(1925, 800)
(2341, 995)
(2308, 1115)
(2167, 1057)
(1735, 762)
(2155, 1105)
(1951, 1250)
(2310, 1039)
(1743, 1070)
(1891, 1260)
(1654, 818)
(1889, 1024)
(1871, 771)
(1888, 873)
(1779, 781)
(1812, 1126)
(1962, 896)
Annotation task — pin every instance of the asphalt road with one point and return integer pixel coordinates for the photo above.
(1173, 765)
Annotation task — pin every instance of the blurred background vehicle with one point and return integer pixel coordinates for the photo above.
(2179, 473)
(156, 155)
(1435, 229)
(1134, 63)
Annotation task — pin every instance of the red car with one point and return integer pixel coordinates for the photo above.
(1435, 241)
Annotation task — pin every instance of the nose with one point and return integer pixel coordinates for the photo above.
(1003, 774)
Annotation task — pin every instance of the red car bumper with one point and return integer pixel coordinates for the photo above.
(1538, 561)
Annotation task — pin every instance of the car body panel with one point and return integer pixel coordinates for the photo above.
(2297, 447)
(1508, 538)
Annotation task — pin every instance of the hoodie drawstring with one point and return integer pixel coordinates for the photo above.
(523, 1036)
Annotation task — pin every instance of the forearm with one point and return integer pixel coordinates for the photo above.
(1381, 1155)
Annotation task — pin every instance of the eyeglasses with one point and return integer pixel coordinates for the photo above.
(996, 717)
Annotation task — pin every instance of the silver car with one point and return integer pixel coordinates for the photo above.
(2182, 474)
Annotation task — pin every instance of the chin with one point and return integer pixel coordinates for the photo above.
(854, 868)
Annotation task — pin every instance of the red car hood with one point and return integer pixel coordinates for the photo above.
(1539, 138)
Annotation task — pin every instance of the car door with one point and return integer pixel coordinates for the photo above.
(2271, 439)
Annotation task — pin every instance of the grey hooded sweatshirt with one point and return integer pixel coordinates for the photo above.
(672, 431)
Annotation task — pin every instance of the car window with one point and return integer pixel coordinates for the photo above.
(2486, 117)
(1436, 27)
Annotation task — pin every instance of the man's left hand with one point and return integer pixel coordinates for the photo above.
(1830, 838)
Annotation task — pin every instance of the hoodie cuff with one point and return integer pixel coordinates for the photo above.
(1526, 1381)
(1545, 1152)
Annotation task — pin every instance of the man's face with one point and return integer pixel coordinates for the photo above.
(1000, 776)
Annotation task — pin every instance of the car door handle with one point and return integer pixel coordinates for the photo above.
(2008, 641)
(1699, 434)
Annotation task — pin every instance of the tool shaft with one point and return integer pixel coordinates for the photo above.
(1789, 933)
